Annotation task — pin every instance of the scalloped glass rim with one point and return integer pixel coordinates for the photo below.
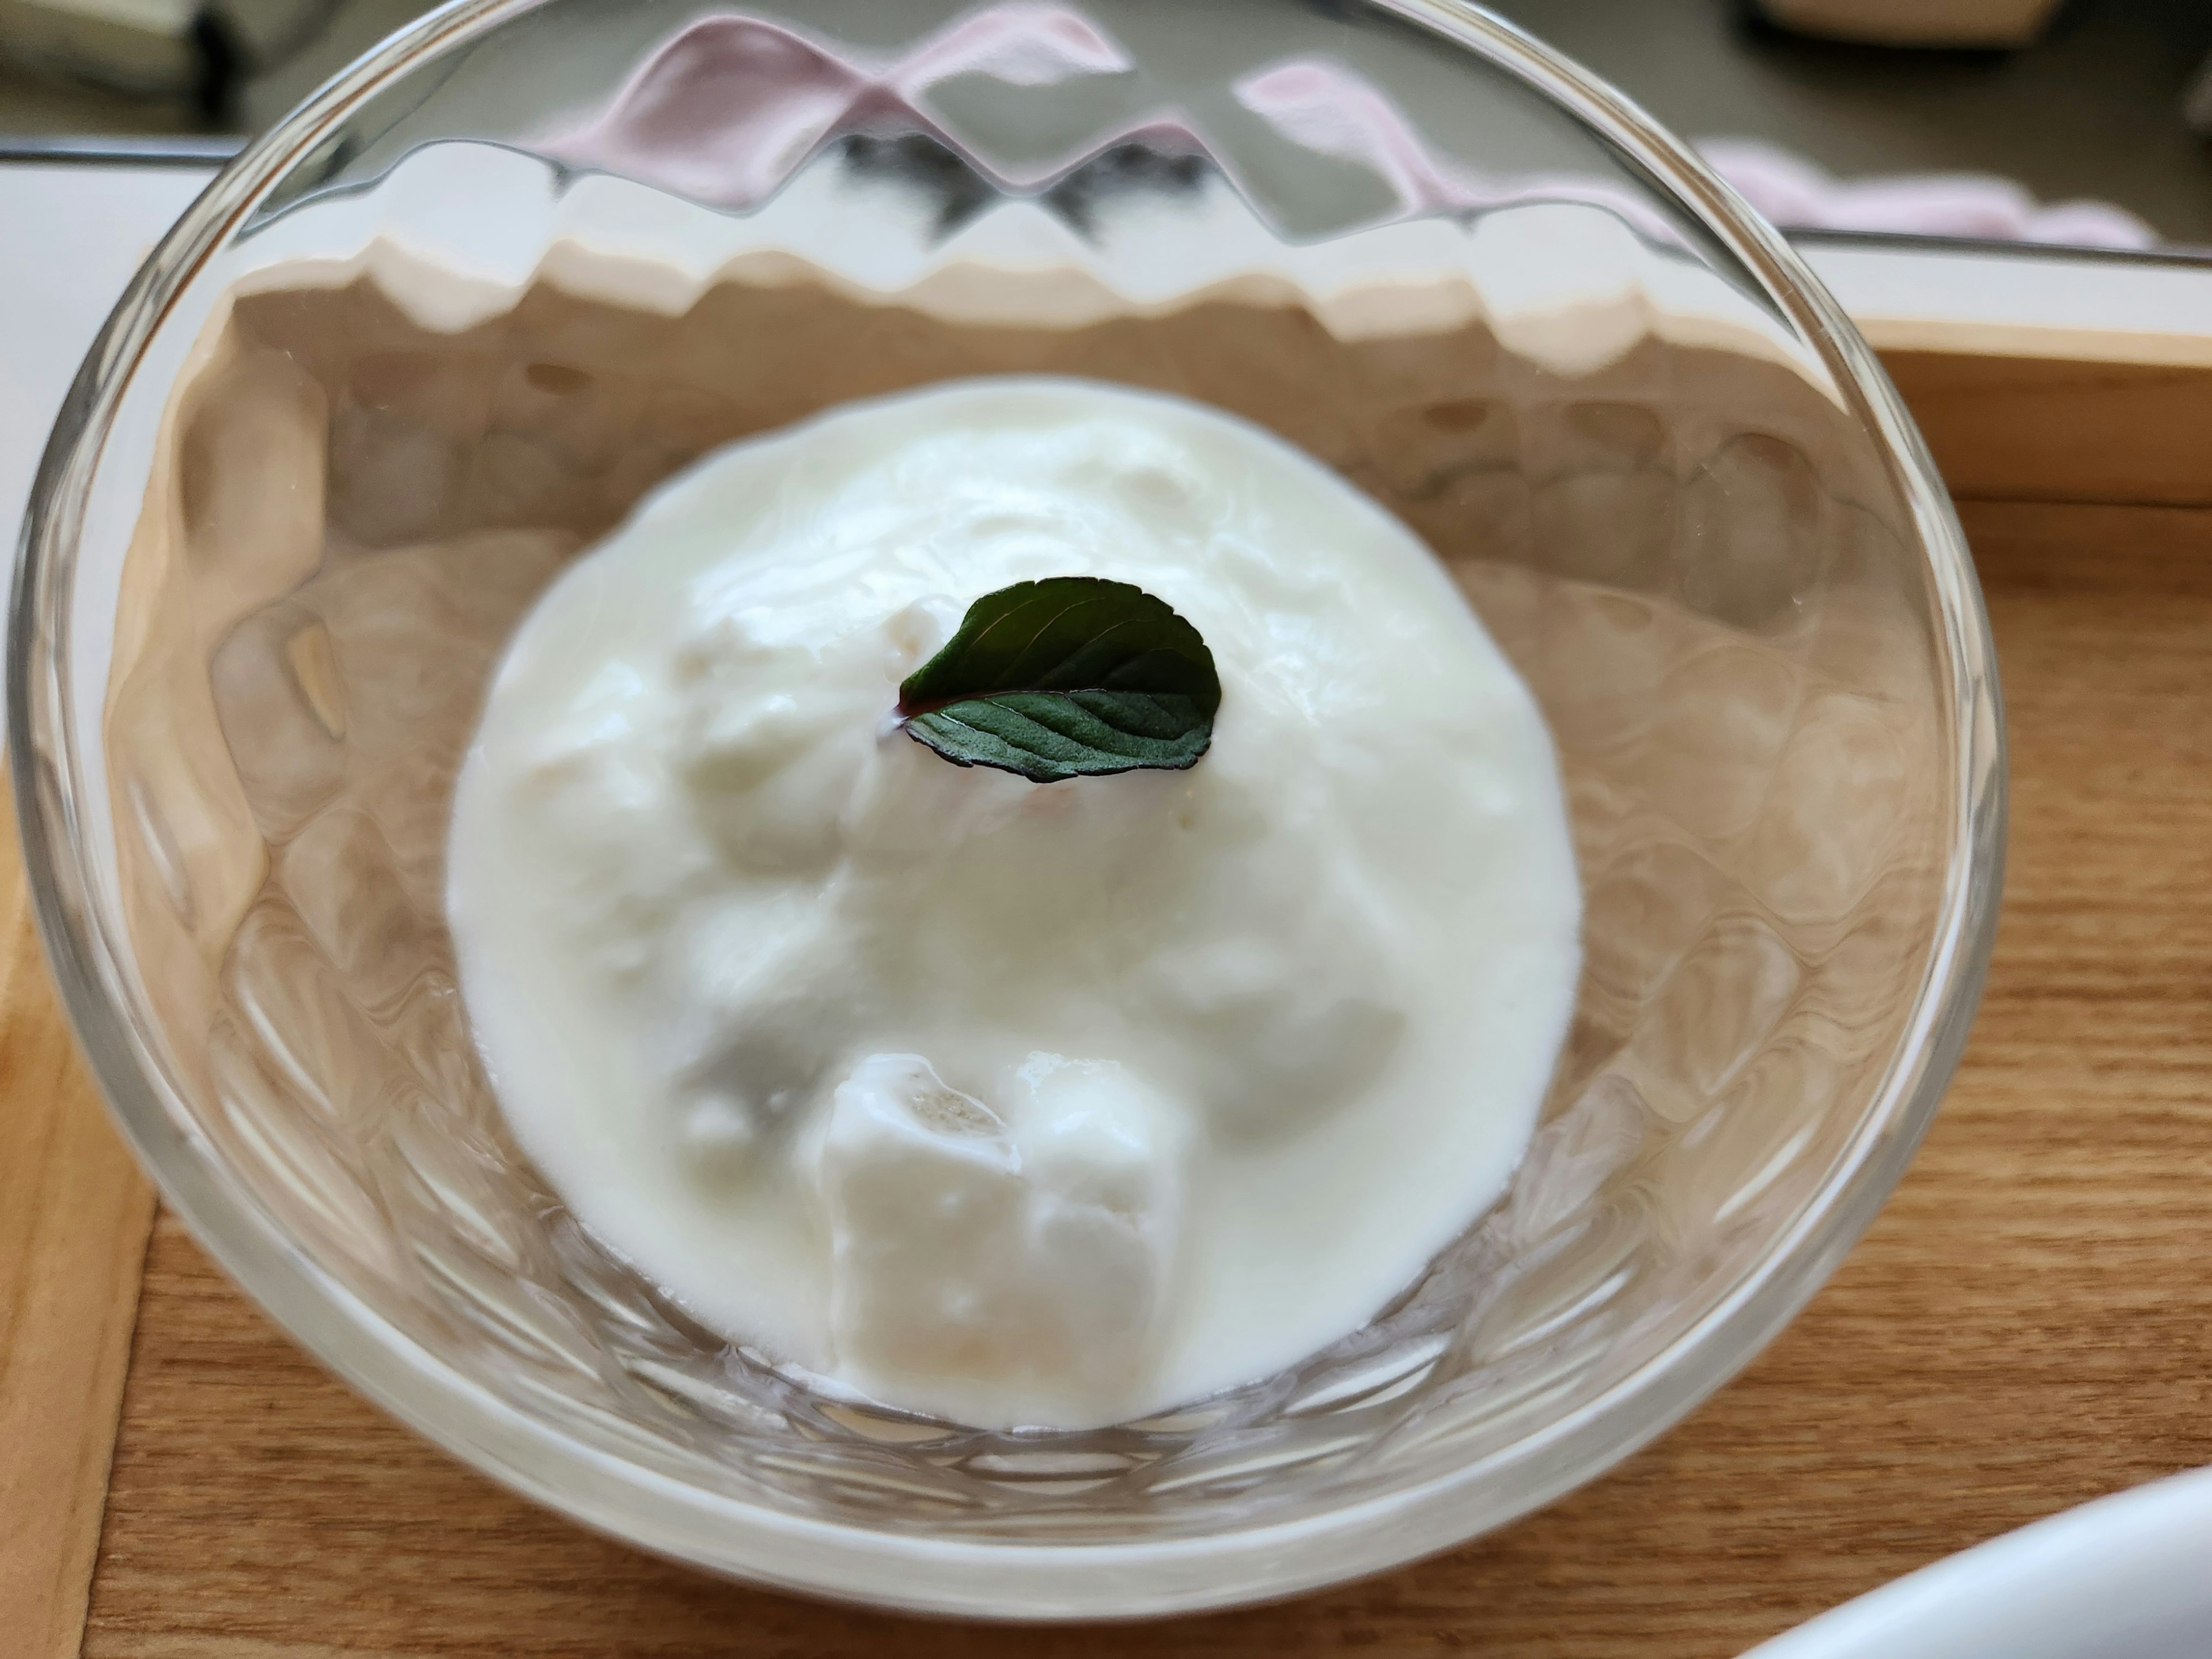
(1013, 1580)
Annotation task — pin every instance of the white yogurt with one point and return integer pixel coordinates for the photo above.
(1049, 1104)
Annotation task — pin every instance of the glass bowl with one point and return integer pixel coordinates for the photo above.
(446, 323)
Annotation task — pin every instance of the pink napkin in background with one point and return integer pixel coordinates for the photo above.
(1797, 195)
(728, 106)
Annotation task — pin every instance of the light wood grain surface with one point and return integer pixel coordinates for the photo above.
(2048, 430)
(2029, 1323)
(74, 1211)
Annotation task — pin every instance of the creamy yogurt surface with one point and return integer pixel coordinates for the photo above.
(1016, 1103)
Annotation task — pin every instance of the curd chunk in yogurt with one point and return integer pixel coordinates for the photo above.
(1012, 1102)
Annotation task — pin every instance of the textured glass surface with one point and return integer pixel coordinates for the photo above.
(1700, 533)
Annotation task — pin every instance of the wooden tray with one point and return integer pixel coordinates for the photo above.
(2028, 1325)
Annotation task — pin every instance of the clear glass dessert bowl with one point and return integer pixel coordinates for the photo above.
(444, 326)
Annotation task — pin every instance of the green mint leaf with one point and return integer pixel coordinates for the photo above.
(1072, 677)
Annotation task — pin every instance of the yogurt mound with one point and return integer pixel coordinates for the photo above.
(1019, 1104)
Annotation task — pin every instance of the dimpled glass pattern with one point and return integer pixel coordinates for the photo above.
(1717, 563)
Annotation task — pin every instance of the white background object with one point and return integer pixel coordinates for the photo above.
(74, 234)
(2126, 1577)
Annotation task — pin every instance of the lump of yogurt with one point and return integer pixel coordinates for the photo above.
(1048, 1104)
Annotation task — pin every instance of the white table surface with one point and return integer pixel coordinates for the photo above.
(70, 236)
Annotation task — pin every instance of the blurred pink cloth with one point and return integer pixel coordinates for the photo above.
(1797, 195)
(727, 108)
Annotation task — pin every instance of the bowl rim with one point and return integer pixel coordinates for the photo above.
(996, 1579)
